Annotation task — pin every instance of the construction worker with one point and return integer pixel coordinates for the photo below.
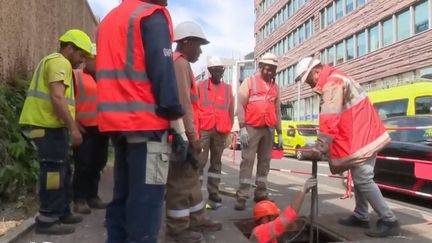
(49, 109)
(216, 120)
(137, 97)
(270, 224)
(91, 156)
(258, 113)
(350, 135)
(185, 209)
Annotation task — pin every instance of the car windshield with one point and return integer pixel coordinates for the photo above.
(419, 135)
(309, 130)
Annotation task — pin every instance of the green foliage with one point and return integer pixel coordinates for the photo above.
(18, 164)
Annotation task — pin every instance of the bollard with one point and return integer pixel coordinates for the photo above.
(314, 202)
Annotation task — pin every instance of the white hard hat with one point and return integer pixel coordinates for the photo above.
(189, 29)
(214, 61)
(304, 66)
(93, 49)
(269, 58)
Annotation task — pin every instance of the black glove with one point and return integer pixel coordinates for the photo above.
(180, 149)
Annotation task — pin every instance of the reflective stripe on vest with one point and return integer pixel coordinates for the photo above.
(82, 94)
(85, 101)
(207, 101)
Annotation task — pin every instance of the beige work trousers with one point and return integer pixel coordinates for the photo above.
(185, 206)
(213, 142)
(260, 143)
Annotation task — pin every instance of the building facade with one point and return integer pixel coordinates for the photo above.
(380, 43)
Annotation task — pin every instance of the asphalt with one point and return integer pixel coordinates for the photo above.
(282, 187)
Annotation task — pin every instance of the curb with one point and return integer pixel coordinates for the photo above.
(15, 233)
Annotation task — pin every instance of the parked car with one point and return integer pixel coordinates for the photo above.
(406, 177)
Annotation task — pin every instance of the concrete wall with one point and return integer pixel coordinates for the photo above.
(29, 30)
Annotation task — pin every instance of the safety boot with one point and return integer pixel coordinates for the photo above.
(187, 236)
(207, 225)
(215, 198)
(384, 229)
(81, 206)
(71, 219)
(54, 229)
(353, 221)
(240, 204)
(97, 203)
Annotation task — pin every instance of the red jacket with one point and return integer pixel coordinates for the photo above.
(85, 98)
(215, 102)
(270, 231)
(125, 98)
(350, 128)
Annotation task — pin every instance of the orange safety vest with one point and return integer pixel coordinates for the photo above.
(261, 107)
(215, 104)
(85, 98)
(125, 100)
(193, 96)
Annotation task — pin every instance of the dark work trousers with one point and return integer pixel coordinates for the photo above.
(90, 158)
(135, 212)
(55, 172)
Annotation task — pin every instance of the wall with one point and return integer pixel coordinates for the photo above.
(29, 30)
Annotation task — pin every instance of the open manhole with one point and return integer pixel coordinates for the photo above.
(297, 233)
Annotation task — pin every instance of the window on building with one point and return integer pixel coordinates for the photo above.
(350, 48)
(403, 25)
(349, 6)
(421, 17)
(387, 32)
(301, 34)
(296, 37)
(324, 56)
(291, 41)
(339, 9)
(308, 29)
(286, 47)
(331, 56)
(361, 44)
(295, 5)
(323, 19)
(290, 9)
(360, 3)
(330, 14)
(290, 75)
(340, 53)
(373, 38)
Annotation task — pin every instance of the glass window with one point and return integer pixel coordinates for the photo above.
(350, 48)
(423, 105)
(373, 38)
(340, 53)
(331, 56)
(291, 75)
(323, 19)
(360, 3)
(295, 5)
(301, 34)
(387, 32)
(391, 108)
(361, 44)
(421, 17)
(308, 29)
(330, 14)
(290, 9)
(339, 9)
(324, 56)
(291, 41)
(403, 25)
(296, 37)
(286, 48)
(349, 6)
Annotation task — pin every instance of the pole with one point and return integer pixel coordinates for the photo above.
(314, 199)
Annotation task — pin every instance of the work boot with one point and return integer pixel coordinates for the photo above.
(259, 199)
(207, 225)
(353, 221)
(54, 229)
(240, 204)
(384, 229)
(215, 202)
(71, 219)
(215, 198)
(187, 236)
(80, 206)
(97, 203)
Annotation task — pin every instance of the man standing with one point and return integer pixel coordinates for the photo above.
(137, 97)
(351, 133)
(50, 110)
(216, 119)
(258, 112)
(91, 156)
(185, 215)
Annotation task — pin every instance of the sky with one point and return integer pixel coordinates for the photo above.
(228, 24)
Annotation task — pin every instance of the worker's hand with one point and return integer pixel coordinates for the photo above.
(76, 137)
(180, 145)
(316, 154)
(80, 128)
(197, 146)
(244, 137)
(280, 141)
(309, 184)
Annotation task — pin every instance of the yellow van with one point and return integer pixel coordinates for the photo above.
(297, 139)
(404, 100)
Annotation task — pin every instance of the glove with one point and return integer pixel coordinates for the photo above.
(309, 184)
(280, 140)
(244, 137)
(180, 146)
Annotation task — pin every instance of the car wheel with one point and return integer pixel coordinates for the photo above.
(299, 154)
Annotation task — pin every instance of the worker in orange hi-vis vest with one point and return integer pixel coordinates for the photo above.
(270, 224)
(258, 113)
(91, 156)
(216, 120)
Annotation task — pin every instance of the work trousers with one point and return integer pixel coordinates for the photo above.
(90, 158)
(260, 144)
(366, 191)
(54, 174)
(185, 206)
(140, 169)
(213, 142)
